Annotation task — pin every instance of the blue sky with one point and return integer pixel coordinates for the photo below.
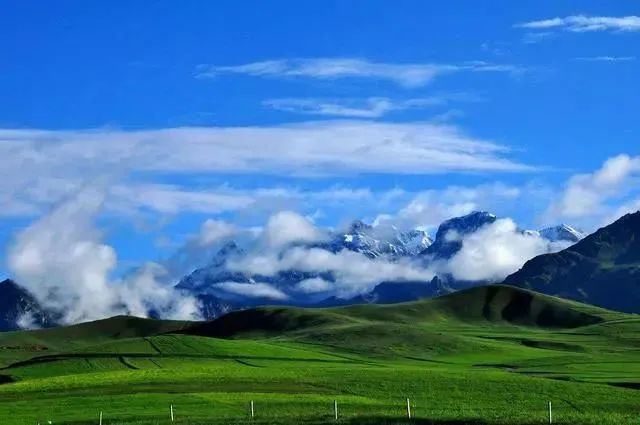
(410, 111)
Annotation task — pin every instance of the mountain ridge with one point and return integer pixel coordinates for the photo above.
(587, 270)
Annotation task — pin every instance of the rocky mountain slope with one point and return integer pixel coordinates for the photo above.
(602, 269)
(19, 309)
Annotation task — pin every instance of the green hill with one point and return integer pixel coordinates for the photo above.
(496, 304)
(16, 345)
(418, 329)
(487, 355)
(602, 269)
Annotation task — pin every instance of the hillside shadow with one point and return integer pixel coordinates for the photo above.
(5, 379)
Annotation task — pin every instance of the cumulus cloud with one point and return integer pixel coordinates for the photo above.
(408, 75)
(427, 209)
(62, 260)
(588, 195)
(212, 231)
(495, 251)
(286, 227)
(584, 23)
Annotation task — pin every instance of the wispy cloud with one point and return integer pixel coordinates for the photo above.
(606, 58)
(41, 166)
(372, 107)
(584, 23)
(409, 75)
(537, 37)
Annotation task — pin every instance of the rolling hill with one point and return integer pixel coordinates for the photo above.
(496, 304)
(602, 269)
(487, 355)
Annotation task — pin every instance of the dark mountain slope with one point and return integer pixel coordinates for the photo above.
(18, 307)
(602, 269)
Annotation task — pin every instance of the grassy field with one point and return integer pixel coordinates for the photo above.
(491, 355)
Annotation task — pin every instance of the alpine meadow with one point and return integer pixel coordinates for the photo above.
(324, 212)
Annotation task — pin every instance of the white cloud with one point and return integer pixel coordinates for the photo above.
(319, 147)
(537, 37)
(583, 23)
(429, 208)
(212, 231)
(59, 162)
(495, 251)
(172, 199)
(409, 75)
(628, 207)
(62, 260)
(253, 290)
(606, 58)
(286, 227)
(373, 107)
(313, 286)
(588, 196)
(354, 272)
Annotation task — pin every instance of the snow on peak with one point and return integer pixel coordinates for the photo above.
(562, 232)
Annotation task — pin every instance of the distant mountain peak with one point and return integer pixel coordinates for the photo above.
(415, 241)
(445, 246)
(562, 232)
(358, 226)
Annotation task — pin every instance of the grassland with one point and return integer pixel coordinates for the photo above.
(491, 355)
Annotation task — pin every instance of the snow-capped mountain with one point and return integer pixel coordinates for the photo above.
(415, 241)
(209, 282)
(374, 241)
(449, 235)
(200, 280)
(562, 233)
(388, 243)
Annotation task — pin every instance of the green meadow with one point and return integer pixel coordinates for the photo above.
(489, 355)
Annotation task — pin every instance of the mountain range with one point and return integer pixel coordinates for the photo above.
(579, 272)
(371, 241)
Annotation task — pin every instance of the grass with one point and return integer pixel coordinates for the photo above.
(492, 355)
